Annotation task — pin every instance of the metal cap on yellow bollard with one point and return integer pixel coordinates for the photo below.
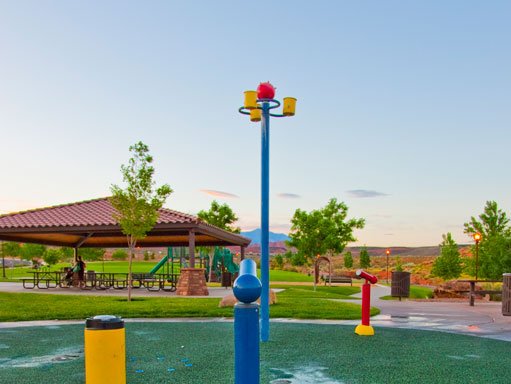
(105, 350)
(289, 106)
(104, 322)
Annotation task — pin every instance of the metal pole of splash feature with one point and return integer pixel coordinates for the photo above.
(247, 289)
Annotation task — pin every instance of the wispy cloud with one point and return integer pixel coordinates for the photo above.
(363, 193)
(381, 216)
(225, 195)
(288, 195)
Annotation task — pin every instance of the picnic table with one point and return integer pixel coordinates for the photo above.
(473, 292)
(44, 279)
(103, 280)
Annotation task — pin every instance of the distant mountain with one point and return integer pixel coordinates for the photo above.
(255, 236)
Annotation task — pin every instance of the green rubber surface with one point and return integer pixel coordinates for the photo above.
(297, 353)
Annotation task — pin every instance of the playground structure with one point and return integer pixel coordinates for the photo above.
(178, 257)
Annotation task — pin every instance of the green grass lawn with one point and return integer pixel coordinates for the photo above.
(183, 353)
(294, 302)
(416, 292)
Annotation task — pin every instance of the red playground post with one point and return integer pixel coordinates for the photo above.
(365, 328)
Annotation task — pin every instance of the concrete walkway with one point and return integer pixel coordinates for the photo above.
(136, 292)
(484, 319)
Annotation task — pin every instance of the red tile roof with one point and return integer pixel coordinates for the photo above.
(97, 212)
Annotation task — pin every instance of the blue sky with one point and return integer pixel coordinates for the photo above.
(403, 107)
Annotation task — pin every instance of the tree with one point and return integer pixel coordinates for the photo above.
(137, 205)
(494, 248)
(52, 256)
(91, 254)
(31, 251)
(322, 231)
(493, 221)
(8, 248)
(495, 257)
(365, 261)
(278, 262)
(66, 253)
(119, 254)
(221, 216)
(348, 260)
(449, 264)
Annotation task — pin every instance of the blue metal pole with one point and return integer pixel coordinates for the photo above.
(265, 209)
(247, 289)
(246, 343)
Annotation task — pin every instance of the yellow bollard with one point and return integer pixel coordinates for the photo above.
(105, 350)
(250, 99)
(289, 106)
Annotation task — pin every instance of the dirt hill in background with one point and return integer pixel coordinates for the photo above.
(279, 247)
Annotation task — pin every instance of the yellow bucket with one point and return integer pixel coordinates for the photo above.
(289, 106)
(255, 115)
(250, 99)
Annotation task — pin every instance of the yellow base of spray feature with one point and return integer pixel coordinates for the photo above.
(364, 330)
(105, 354)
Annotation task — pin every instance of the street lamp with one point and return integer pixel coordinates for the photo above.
(258, 105)
(387, 252)
(477, 238)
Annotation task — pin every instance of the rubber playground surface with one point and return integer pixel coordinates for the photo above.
(203, 352)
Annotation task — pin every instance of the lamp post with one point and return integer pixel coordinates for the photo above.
(387, 252)
(258, 104)
(477, 238)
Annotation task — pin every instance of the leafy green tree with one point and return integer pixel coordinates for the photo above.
(31, 251)
(493, 221)
(323, 231)
(494, 257)
(448, 265)
(278, 262)
(348, 260)
(138, 203)
(52, 256)
(298, 259)
(8, 248)
(119, 254)
(493, 225)
(91, 254)
(66, 253)
(221, 216)
(365, 260)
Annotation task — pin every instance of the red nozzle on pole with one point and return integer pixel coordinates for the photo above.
(364, 275)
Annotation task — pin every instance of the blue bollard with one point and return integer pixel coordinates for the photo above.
(247, 289)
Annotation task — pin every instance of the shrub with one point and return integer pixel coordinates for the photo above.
(119, 254)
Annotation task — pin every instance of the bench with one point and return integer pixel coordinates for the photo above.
(46, 283)
(338, 279)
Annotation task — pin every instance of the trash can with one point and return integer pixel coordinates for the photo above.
(105, 350)
(506, 294)
(400, 284)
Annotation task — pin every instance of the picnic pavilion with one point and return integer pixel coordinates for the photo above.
(91, 224)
